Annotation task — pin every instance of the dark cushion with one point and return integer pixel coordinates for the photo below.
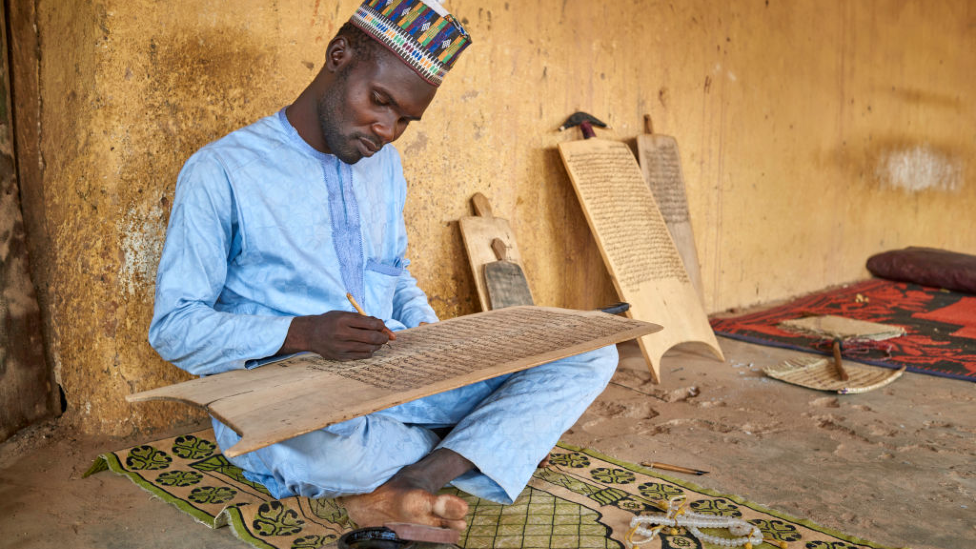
(928, 267)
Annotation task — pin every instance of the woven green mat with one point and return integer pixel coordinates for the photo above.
(582, 500)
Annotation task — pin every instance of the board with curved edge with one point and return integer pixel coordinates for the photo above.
(303, 393)
(637, 248)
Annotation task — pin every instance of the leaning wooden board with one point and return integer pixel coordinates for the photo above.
(505, 280)
(659, 160)
(637, 249)
(477, 233)
(285, 399)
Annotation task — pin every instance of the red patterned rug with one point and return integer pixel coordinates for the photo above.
(940, 325)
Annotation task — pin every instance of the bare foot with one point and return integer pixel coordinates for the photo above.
(400, 500)
(410, 495)
(544, 463)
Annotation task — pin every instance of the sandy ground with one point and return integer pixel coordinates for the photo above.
(896, 466)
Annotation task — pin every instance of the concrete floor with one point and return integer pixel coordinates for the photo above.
(896, 466)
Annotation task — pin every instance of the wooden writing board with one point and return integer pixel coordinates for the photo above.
(298, 395)
(843, 328)
(659, 160)
(477, 232)
(636, 247)
(505, 281)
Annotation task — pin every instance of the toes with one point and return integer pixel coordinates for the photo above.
(450, 508)
(458, 525)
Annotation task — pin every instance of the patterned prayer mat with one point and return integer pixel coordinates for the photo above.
(582, 500)
(940, 325)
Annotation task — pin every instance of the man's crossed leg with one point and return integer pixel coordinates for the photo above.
(388, 466)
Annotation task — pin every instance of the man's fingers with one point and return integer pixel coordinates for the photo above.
(342, 335)
(353, 351)
(367, 329)
(364, 322)
(370, 337)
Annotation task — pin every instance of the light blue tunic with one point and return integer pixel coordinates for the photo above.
(265, 228)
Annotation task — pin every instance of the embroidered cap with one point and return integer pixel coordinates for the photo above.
(421, 32)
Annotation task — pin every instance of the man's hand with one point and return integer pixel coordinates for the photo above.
(336, 335)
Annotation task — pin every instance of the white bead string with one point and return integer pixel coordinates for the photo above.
(678, 516)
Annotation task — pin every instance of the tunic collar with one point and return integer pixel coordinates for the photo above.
(297, 140)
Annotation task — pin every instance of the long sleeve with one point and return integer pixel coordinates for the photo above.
(201, 239)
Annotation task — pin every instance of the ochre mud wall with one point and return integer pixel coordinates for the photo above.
(812, 134)
(26, 391)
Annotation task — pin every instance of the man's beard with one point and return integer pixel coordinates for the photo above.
(332, 113)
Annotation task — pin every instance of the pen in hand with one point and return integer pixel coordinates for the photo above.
(359, 310)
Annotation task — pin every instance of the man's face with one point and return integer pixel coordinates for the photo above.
(369, 104)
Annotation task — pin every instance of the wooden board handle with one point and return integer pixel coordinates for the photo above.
(482, 208)
(839, 362)
(501, 250)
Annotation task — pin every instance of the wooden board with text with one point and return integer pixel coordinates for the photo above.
(659, 160)
(636, 246)
(297, 395)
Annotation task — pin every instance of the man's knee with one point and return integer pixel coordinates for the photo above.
(595, 367)
(604, 362)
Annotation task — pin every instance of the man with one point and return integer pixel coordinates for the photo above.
(271, 227)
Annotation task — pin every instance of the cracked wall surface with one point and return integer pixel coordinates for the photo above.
(26, 392)
(798, 124)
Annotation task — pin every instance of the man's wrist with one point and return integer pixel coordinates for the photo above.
(296, 340)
